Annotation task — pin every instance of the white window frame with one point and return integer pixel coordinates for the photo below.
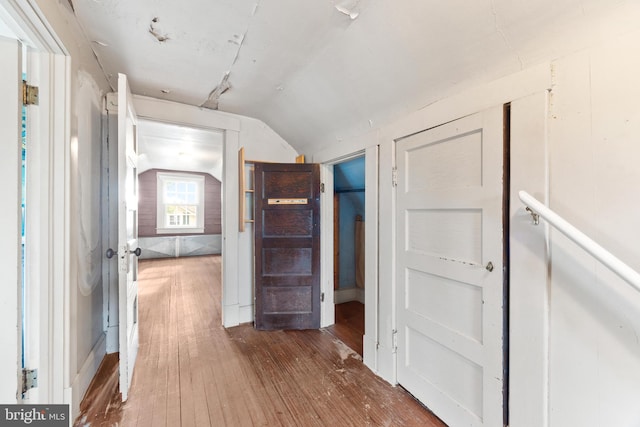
(164, 228)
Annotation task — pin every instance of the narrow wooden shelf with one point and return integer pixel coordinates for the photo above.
(245, 194)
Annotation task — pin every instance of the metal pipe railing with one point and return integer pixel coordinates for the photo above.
(536, 208)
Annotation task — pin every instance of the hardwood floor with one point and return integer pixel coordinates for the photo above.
(349, 325)
(193, 372)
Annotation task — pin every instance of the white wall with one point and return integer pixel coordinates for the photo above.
(574, 325)
(84, 345)
(87, 255)
(593, 160)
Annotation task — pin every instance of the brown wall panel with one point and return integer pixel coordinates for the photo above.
(148, 196)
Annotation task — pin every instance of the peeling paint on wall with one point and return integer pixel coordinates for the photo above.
(214, 96)
(224, 85)
(349, 8)
(155, 32)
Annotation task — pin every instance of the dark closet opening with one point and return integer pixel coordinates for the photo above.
(349, 221)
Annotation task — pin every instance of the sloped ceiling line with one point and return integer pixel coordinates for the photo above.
(503, 35)
(92, 44)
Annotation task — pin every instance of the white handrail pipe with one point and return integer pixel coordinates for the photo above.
(585, 242)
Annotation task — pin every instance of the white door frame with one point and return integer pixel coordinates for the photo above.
(10, 129)
(49, 202)
(186, 115)
(370, 339)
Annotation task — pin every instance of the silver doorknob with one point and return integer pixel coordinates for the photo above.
(110, 253)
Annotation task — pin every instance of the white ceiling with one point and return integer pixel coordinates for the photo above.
(173, 147)
(319, 71)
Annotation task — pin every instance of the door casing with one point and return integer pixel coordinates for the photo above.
(48, 196)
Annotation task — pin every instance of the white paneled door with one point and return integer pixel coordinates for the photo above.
(128, 250)
(450, 268)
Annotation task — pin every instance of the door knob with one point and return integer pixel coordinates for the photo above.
(110, 252)
(489, 267)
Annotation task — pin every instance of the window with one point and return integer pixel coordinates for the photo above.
(180, 203)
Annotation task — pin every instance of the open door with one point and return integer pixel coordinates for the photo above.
(450, 269)
(287, 246)
(128, 250)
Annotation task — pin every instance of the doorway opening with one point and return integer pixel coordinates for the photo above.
(349, 251)
(180, 184)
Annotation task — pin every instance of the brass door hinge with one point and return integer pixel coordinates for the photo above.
(29, 94)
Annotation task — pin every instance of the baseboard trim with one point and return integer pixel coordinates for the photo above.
(113, 339)
(231, 315)
(349, 294)
(369, 356)
(245, 314)
(89, 368)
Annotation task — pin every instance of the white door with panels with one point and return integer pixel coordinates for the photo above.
(128, 250)
(450, 268)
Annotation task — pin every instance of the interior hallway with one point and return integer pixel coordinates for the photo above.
(192, 372)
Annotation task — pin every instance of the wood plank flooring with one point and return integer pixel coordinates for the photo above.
(193, 372)
(349, 325)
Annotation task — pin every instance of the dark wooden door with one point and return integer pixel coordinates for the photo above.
(287, 246)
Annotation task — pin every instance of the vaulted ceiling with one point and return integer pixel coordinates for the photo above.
(319, 71)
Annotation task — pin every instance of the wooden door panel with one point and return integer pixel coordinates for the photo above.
(287, 261)
(287, 243)
(287, 299)
(287, 222)
(287, 184)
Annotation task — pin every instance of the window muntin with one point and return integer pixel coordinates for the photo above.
(180, 203)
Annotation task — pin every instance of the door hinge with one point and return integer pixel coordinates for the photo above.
(394, 340)
(394, 176)
(29, 379)
(322, 297)
(322, 187)
(29, 94)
